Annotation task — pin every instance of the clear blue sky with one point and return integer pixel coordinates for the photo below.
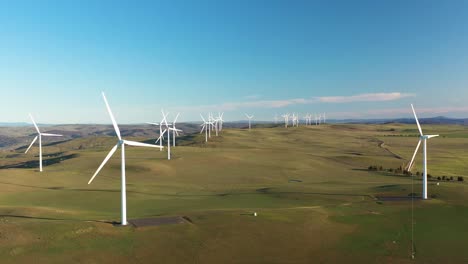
(366, 59)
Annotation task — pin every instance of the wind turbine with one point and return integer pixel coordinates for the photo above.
(215, 122)
(250, 119)
(220, 119)
(161, 133)
(39, 136)
(120, 143)
(205, 126)
(286, 120)
(168, 130)
(307, 119)
(422, 138)
(175, 130)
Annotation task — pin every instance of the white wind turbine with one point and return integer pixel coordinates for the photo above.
(175, 131)
(39, 136)
(250, 119)
(205, 126)
(120, 143)
(215, 122)
(286, 120)
(161, 133)
(424, 139)
(307, 119)
(220, 120)
(168, 131)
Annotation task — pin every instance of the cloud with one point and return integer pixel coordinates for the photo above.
(266, 104)
(400, 112)
(369, 97)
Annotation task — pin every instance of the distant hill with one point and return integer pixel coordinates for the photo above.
(439, 120)
(19, 135)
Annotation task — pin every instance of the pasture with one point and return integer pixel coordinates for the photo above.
(316, 200)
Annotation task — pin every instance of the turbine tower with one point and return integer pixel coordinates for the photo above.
(422, 138)
(39, 136)
(120, 143)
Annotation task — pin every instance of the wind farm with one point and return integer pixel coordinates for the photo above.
(233, 132)
(331, 192)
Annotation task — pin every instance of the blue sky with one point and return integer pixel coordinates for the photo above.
(350, 59)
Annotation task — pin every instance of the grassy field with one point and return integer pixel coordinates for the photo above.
(316, 201)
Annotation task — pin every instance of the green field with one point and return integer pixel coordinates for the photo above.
(316, 201)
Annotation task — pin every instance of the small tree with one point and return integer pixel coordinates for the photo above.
(438, 178)
(451, 178)
(443, 178)
(460, 178)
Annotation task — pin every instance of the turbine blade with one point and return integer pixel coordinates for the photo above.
(34, 140)
(417, 121)
(410, 165)
(175, 120)
(51, 135)
(104, 162)
(160, 136)
(202, 118)
(34, 123)
(149, 123)
(139, 144)
(432, 136)
(114, 123)
(164, 117)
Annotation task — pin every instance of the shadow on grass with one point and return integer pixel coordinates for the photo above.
(34, 163)
(140, 222)
(44, 145)
(261, 191)
(58, 219)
